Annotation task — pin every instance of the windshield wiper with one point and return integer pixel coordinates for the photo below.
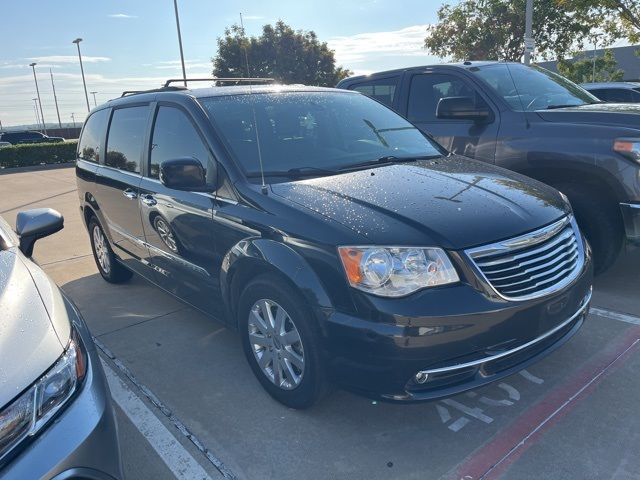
(388, 159)
(553, 107)
(296, 172)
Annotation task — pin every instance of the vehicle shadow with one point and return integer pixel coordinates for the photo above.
(197, 368)
(617, 288)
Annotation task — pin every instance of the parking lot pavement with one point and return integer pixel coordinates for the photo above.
(572, 415)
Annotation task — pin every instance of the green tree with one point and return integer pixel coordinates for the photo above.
(581, 70)
(280, 52)
(617, 19)
(494, 30)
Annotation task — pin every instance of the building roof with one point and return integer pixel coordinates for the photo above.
(627, 58)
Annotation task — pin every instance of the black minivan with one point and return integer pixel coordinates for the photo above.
(343, 244)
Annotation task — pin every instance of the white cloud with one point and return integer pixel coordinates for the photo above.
(69, 59)
(252, 17)
(121, 15)
(189, 64)
(7, 65)
(361, 47)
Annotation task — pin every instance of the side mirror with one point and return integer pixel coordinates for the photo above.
(184, 174)
(32, 225)
(461, 108)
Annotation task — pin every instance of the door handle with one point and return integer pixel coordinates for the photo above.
(130, 194)
(148, 200)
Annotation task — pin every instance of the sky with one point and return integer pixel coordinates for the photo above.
(129, 45)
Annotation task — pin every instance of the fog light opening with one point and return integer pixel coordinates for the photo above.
(421, 377)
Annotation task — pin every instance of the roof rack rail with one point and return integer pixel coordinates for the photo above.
(219, 79)
(161, 89)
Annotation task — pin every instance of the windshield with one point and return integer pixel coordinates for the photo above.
(313, 131)
(532, 88)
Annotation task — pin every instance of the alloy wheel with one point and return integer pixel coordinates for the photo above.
(102, 249)
(276, 344)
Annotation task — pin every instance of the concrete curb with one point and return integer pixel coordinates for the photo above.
(35, 168)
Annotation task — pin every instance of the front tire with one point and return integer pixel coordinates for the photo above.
(110, 269)
(601, 224)
(280, 342)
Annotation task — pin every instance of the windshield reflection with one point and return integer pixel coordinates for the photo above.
(313, 133)
(532, 88)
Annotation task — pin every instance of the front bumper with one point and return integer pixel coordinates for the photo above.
(466, 340)
(82, 441)
(631, 218)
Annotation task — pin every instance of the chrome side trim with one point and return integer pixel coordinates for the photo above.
(583, 307)
(523, 241)
(157, 251)
(635, 206)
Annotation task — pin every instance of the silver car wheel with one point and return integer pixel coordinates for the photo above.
(276, 344)
(164, 231)
(101, 249)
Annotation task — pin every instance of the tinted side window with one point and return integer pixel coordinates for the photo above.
(601, 93)
(619, 95)
(427, 90)
(381, 89)
(89, 144)
(126, 136)
(174, 136)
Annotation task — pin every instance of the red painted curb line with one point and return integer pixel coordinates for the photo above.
(494, 457)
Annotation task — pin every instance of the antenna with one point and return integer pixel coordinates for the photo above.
(253, 110)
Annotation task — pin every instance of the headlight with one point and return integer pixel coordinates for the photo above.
(27, 414)
(629, 147)
(396, 271)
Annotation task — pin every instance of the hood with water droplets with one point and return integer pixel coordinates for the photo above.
(29, 343)
(451, 202)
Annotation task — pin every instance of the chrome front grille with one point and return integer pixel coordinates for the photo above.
(534, 264)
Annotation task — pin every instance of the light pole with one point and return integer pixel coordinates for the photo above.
(95, 104)
(33, 66)
(593, 72)
(84, 83)
(73, 119)
(55, 98)
(528, 34)
(184, 73)
(35, 109)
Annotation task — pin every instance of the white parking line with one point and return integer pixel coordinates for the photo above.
(622, 317)
(172, 453)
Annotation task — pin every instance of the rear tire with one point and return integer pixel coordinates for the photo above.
(108, 266)
(284, 355)
(601, 223)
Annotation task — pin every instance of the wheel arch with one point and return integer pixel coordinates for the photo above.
(598, 180)
(250, 258)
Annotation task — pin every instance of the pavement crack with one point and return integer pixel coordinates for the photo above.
(70, 259)
(39, 200)
(141, 322)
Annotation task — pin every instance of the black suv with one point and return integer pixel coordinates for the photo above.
(341, 242)
(615, 92)
(534, 122)
(16, 138)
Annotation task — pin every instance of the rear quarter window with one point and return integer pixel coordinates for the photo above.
(380, 89)
(92, 134)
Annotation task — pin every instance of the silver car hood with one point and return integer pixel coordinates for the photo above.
(29, 341)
